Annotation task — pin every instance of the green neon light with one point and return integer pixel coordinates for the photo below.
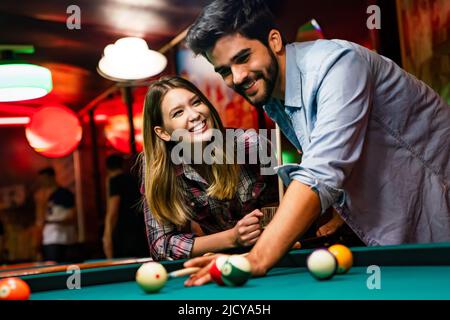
(24, 81)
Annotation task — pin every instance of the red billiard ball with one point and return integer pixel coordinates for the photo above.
(216, 270)
(14, 289)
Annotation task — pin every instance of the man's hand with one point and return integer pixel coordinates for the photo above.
(331, 226)
(202, 276)
(247, 230)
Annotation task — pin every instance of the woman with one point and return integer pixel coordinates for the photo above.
(194, 209)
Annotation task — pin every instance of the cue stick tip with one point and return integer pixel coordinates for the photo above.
(183, 272)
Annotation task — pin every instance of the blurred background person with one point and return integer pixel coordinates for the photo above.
(124, 234)
(55, 216)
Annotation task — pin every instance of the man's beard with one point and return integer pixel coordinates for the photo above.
(269, 83)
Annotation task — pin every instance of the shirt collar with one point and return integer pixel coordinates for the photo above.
(293, 92)
(272, 107)
(189, 172)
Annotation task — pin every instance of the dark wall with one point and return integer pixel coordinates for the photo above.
(18, 161)
(338, 19)
(342, 20)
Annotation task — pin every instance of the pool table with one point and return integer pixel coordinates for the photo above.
(406, 272)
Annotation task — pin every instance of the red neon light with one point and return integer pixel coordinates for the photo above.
(14, 121)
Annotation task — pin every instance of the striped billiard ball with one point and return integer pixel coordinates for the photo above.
(236, 271)
(216, 270)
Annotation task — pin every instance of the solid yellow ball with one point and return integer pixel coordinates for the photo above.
(343, 256)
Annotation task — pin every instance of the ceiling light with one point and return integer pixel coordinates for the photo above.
(13, 121)
(19, 80)
(130, 59)
(23, 82)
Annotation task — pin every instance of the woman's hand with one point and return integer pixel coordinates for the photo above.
(247, 230)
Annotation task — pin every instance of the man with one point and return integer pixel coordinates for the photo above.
(124, 234)
(375, 140)
(55, 212)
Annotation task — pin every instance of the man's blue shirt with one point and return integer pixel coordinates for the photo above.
(375, 141)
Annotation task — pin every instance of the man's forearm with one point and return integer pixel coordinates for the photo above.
(298, 209)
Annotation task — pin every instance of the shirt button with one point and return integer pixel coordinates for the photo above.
(192, 204)
(253, 194)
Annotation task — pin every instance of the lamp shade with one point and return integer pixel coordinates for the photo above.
(117, 132)
(54, 131)
(130, 59)
(20, 81)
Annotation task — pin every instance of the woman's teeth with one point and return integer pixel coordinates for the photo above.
(199, 126)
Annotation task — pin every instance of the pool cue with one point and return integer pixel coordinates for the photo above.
(183, 272)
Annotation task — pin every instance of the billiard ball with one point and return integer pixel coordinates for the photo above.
(236, 271)
(343, 256)
(322, 264)
(151, 276)
(216, 270)
(14, 289)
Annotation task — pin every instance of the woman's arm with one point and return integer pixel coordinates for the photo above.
(215, 242)
(166, 242)
(243, 234)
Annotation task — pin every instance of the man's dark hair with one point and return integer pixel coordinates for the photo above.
(49, 171)
(249, 18)
(114, 161)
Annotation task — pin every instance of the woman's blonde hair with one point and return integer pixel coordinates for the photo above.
(163, 192)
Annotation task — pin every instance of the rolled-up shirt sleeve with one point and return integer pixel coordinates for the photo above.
(336, 141)
(166, 241)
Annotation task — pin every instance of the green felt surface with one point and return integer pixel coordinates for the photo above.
(420, 271)
(405, 282)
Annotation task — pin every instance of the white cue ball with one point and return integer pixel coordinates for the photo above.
(151, 276)
(321, 264)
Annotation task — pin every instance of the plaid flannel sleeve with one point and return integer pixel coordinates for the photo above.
(165, 241)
